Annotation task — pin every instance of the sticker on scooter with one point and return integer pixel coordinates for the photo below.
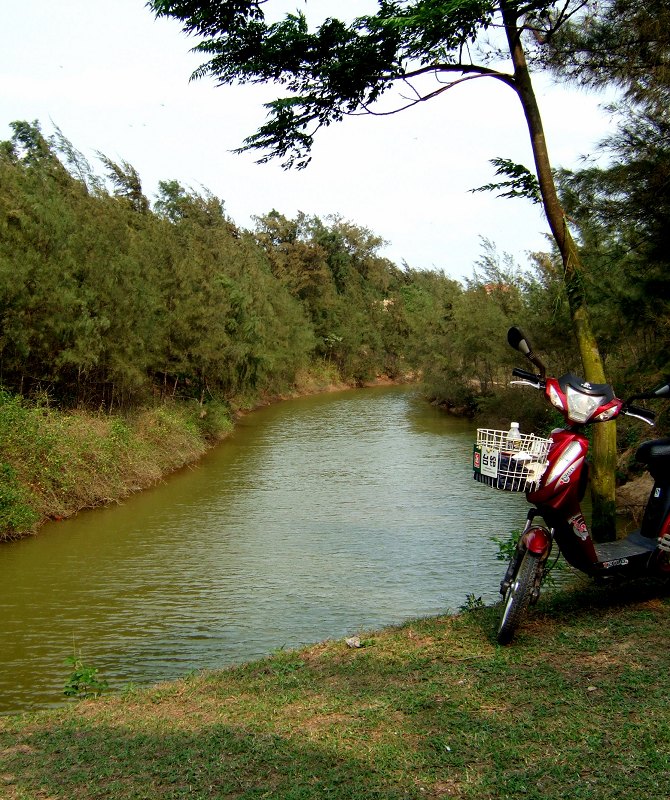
(617, 562)
(579, 526)
(489, 462)
(565, 477)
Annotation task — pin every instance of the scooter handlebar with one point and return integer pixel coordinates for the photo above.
(536, 380)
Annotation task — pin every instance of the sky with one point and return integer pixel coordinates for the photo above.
(115, 80)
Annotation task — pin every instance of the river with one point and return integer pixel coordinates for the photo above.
(320, 517)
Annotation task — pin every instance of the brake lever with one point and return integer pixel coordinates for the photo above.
(644, 414)
(639, 416)
(536, 385)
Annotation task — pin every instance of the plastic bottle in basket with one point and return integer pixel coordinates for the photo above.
(513, 436)
(512, 472)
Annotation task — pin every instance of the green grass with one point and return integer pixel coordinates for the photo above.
(54, 463)
(575, 708)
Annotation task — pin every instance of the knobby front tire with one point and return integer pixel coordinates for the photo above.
(518, 596)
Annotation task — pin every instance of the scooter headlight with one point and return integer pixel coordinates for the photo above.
(581, 406)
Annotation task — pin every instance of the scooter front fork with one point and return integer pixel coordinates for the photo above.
(512, 568)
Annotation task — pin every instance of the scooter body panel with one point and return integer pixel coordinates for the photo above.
(562, 484)
(559, 494)
(558, 499)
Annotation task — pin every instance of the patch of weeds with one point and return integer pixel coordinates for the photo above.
(286, 663)
(83, 681)
(119, 432)
(507, 547)
(214, 420)
(16, 515)
(472, 603)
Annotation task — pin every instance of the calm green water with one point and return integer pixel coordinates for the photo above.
(320, 518)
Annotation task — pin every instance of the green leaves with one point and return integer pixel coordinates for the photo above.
(339, 68)
(83, 682)
(106, 302)
(433, 31)
(16, 515)
(520, 181)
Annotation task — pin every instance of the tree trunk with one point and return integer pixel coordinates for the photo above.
(604, 439)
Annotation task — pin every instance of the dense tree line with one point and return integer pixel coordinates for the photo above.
(108, 300)
(105, 300)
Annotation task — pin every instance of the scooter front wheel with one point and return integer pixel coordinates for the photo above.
(518, 595)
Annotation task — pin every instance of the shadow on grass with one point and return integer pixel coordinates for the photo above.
(220, 762)
(601, 597)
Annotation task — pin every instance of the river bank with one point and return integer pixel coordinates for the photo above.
(430, 709)
(54, 463)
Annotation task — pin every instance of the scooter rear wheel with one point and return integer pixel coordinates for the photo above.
(518, 596)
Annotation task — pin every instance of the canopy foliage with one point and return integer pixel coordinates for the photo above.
(342, 68)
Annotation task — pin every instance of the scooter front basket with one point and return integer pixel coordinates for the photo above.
(511, 465)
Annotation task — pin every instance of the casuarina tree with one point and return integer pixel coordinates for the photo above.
(623, 208)
(427, 47)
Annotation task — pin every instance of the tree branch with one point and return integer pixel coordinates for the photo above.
(462, 68)
(507, 79)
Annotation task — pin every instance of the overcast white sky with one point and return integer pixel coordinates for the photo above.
(116, 80)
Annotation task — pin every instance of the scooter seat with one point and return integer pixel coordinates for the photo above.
(654, 452)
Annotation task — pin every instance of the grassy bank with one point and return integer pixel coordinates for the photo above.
(576, 708)
(54, 463)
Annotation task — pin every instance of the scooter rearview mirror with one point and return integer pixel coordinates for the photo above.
(518, 341)
(662, 391)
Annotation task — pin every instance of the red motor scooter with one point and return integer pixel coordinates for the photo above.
(554, 474)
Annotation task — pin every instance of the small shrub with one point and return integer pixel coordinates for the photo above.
(507, 547)
(83, 681)
(472, 603)
(214, 420)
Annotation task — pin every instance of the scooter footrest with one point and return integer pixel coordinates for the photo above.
(633, 545)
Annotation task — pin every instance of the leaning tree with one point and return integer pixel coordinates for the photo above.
(427, 46)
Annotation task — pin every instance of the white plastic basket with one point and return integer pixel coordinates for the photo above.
(509, 465)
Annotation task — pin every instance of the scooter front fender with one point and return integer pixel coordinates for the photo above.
(538, 540)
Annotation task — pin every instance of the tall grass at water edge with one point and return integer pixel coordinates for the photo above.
(54, 463)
